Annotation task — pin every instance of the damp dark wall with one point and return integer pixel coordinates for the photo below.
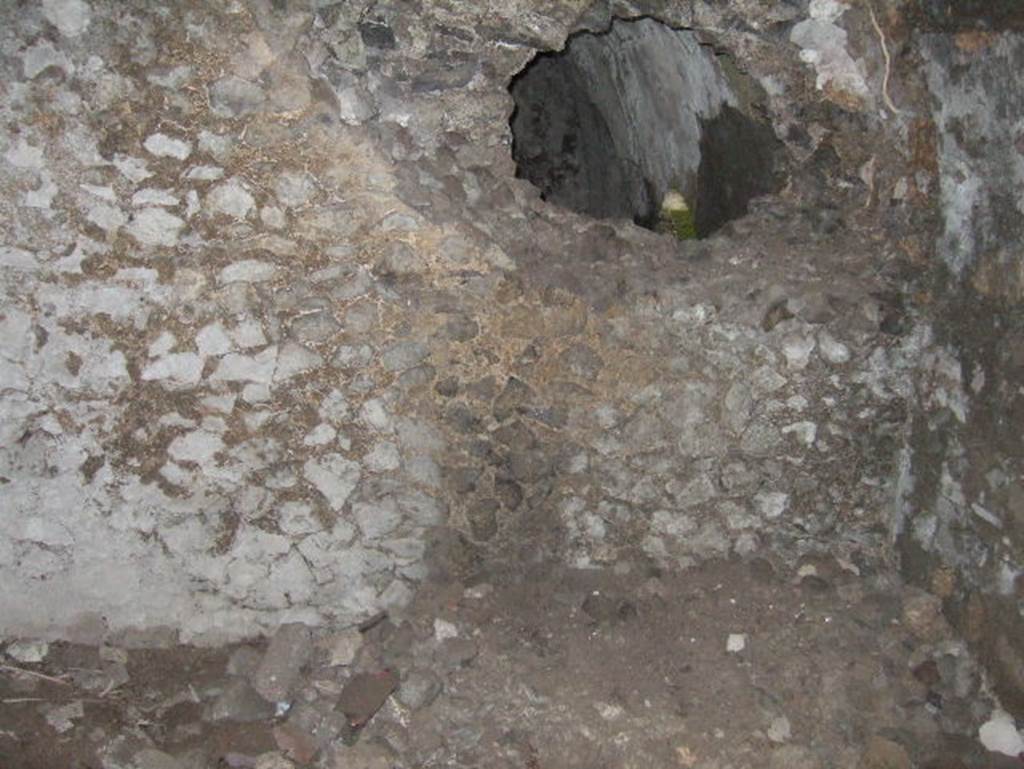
(609, 125)
(962, 534)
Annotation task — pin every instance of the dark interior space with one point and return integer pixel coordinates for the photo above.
(616, 120)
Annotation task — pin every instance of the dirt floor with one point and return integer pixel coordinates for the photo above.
(727, 665)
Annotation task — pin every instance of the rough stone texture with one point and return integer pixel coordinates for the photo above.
(283, 332)
(289, 649)
(961, 528)
(619, 118)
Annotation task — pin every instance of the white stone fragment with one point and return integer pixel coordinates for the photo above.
(70, 17)
(205, 174)
(444, 630)
(43, 195)
(62, 719)
(779, 730)
(105, 192)
(224, 404)
(273, 217)
(199, 446)
(213, 340)
(293, 188)
(827, 10)
(374, 414)
(293, 360)
(320, 435)
(217, 145)
(174, 419)
(154, 197)
(164, 146)
(256, 393)
(333, 476)
(17, 259)
(155, 227)
(42, 56)
(377, 519)
(832, 350)
(771, 504)
(1000, 735)
(231, 199)
(335, 407)
(297, 518)
(343, 647)
(192, 205)
(133, 169)
(107, 218)
(183, 368)
(257, 368)
(24, 155)
(173, 78)
(248, 333)
(162, 345)
(987, 515)
(383, 458)
(736, 643)
(397, 595)
(805, 432)
(27, 652)
(797, 350)
(248, 271)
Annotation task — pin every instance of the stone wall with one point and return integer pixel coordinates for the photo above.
(283, 334)
(963, 533)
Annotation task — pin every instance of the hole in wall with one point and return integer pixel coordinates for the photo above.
(627, 122)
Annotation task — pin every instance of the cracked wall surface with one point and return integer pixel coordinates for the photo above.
(283, 335)
(963, 519)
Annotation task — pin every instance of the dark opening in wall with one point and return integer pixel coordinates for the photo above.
(642, 115)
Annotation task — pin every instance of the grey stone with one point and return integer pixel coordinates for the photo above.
(293, 360)
(248, 271)
(463, 479)
(383, 457)
(240, 702)
(230, 198)
(462, 418)
(483, 518)
(43, 55)
(400, 259)
(71, 17)
(404, 355)
(258, 368)
(447, 387)
(232, 96)
(583, 361)
(243, 662)
(164, 146)
(334, 476)
(455, 653)
(794, 757)
(155, 227)
(352, 356)
(461, 328)
(362, 317)
(342, 647)
(516, 436)
(294, 188)
(514, 398)
(290, 649)
(156, 759)
(27, 652)
(508, 492)
(419, 689)
(528, 466)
